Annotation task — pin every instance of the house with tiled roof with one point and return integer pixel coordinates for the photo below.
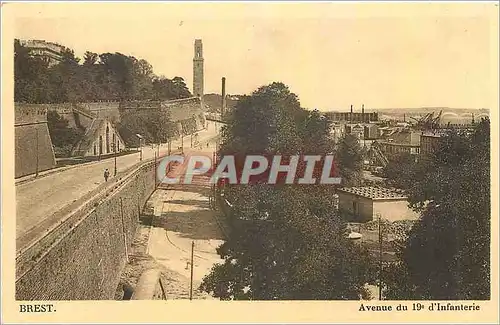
(363, 204)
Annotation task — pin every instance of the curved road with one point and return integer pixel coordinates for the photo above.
(38, 199)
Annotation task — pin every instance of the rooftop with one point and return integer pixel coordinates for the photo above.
(374, 192)
(35, 43)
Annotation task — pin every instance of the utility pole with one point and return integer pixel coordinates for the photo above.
(192, 266)
(114, 149)
(154, 171)
(37, 153)
(182, 141)
(380, 257)
(223, 99)
(140, 147)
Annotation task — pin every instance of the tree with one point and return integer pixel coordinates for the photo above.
(144, 69)
(315, 132)
(400, 170)
(68, 78)
(63, 137)
(68, 57)
(446, 255)
(350, 160)
(106, 76)
(30, 76)
(279, 249)
(286, 242)
(264, 123)
(164, 88)
(90, 58)
(180, 90)
(155, 126)
(160, 126)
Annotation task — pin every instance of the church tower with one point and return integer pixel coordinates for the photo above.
(198, 69)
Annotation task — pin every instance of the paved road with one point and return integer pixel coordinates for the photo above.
(38, 199)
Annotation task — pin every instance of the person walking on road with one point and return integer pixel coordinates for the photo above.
(106, 174)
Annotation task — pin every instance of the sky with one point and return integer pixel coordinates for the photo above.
(331, 55)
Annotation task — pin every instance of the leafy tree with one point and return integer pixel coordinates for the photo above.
(350, 160)
(279, 249)
(68, 57)
(400, 170)
(155, 126)
(180, 90)
(30, 76)
(63, 137)
(315, 132)
(106, 76)
(447, 255)
(189, 125)
(264, 123)
(164, 88)
(67, 74)
(286, 242)
(90, 58)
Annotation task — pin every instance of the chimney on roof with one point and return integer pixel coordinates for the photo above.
(363, 113)
(223, 103)
(350, 116)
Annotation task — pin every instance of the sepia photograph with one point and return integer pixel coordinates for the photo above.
(268, 152)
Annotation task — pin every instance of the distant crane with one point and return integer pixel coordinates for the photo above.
(377, 155)
(427, 122)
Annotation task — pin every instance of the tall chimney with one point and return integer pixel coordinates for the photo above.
(350, 117)
(363, 113)
(223, 103)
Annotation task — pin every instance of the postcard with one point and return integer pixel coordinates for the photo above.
(274, 162)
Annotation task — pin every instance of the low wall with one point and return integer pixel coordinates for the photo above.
(82, 257)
